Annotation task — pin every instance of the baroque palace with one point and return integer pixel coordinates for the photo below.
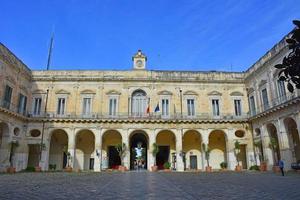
(83, 115)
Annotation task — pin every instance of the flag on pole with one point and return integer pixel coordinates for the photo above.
(157, 108)
(148, 109)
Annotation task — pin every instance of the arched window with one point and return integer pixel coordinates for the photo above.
(139, 103)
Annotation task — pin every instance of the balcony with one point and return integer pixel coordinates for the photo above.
(11, 108)
(274, 104)
(145, 116)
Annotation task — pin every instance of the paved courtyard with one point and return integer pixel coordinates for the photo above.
(146, 185)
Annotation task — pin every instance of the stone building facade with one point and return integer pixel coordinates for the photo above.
(87, 113)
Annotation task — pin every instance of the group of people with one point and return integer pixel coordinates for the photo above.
(139, 164)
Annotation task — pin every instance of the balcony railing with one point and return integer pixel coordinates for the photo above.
(11, 107)
(273, 103)
(184, 116)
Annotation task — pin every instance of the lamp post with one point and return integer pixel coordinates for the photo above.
(43, 128)
(180, 90)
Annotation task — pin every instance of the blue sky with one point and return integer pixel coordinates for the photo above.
(175, 35)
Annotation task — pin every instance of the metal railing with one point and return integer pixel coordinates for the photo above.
(12, 107)
(153, 115)
(273, 103)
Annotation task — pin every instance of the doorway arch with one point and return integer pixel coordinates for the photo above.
(58, 145)
(293, 136)
(138, 147)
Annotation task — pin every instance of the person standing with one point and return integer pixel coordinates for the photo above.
(281, 166)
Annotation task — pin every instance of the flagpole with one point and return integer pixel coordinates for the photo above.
(50, 51)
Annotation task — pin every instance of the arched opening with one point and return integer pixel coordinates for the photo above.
(110, 156)
(139, 103)
(138, 150)
(258, 145)
(4, 147)
(192, 158)
(242, 156)
(166, 142)
(85, 147)
(274, 137)
(293, 135)
(217, 145)
(58, 147)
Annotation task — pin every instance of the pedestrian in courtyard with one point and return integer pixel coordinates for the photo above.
(281, 166)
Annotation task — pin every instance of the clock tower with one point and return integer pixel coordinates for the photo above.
(139, 60)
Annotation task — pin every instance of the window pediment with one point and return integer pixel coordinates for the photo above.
(236, 93)
(190, 92)
(164, 92)
(38, 92)
(250, 90)
(62, 92)
(87, 92)
(113, 92)
(214, 93)
(262, 82)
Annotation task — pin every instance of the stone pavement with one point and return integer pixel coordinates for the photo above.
(147, 185)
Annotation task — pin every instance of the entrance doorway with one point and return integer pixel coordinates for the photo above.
(138, 151)
(33, 155)
(113, 158)
(163, 156)
(193, 162)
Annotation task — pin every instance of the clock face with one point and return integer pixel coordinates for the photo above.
(139, 63)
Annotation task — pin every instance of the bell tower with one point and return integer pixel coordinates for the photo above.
(139, 61)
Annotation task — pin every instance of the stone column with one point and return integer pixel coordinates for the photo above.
(179, 158)
(297, 118)
(152, 140)
(231, 159)
(286, 152)
(125, 140)
(268, 155)
(98, 148)
(205, 140)
(43, 163)
(72, 146)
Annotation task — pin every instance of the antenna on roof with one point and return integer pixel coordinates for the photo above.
(50, 49)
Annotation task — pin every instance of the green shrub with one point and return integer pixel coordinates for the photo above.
(30, 169)
(52, 166)
(167, 165)
(254, 167)
(223, 165)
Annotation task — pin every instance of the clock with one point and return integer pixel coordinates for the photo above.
(139, 64)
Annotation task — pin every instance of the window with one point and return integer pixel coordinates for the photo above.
(22, 104)
(265, 100)
(112, 106)
(252, 105)
(237, 107)
(86, 107)
(37, 103)
(7, 97)
(139, 103)
(281, 91)
(215, 106)
(61, 106)
(165, 107)
(191, 107)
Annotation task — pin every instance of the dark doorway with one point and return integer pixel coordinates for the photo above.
(138, 151)
(162, 156)
(65, 160)
(193, 162)
(91, 163)
(242, 156)
(113, 158)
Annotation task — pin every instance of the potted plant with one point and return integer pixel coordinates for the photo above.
(273, 146)
(167, 167)
(206, 150)
(121, 148)
(68, 168)
(223, 166)
(263, 163)
(237, 151)
(13, 145)
(155, 151)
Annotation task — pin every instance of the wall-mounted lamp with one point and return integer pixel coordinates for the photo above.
(97, 152)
